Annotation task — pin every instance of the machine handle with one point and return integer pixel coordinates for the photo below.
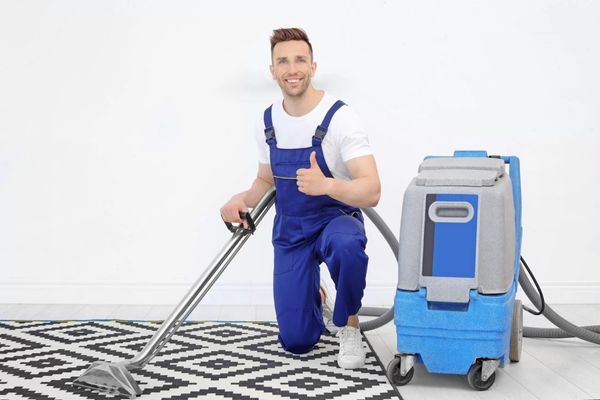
(245, 216)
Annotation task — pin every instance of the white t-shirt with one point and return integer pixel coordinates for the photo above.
(346, 138)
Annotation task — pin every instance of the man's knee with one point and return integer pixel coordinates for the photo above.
(295, 344)
(349, 244)
(299, 337)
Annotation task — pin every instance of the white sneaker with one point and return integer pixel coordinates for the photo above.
(352, 352)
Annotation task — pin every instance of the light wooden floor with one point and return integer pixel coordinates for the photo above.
(549, 369)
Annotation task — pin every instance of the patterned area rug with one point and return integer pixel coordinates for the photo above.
(208, 360)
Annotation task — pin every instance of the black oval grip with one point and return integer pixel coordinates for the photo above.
(245, 216)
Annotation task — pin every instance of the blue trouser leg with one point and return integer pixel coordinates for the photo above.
(341, 246)
(297, 298)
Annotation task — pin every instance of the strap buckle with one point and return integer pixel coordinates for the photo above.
(270, 133)
(320, 132)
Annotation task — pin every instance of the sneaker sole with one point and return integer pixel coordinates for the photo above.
(351, 364)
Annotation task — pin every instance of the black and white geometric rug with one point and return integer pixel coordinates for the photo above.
(203, 360)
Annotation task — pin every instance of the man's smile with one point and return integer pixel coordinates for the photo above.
(292, 81)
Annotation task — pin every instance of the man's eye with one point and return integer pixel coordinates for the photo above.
(282, 61)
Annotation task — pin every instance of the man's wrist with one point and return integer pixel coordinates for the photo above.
(240, 196)
(331, 187)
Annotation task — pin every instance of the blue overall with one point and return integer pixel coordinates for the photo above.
(307, 231)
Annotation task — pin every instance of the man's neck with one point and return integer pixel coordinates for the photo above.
(302, 105)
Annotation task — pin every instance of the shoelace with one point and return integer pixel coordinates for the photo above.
(350, 341)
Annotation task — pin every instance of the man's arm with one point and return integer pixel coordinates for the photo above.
(249, 198)
(363, 190)
(261, 185)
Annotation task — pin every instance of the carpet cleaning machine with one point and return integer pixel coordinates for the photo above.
(460, 240)
(458, 262)
(458, 267)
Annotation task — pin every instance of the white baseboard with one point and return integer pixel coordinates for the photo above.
(555, 293)
(155, 294)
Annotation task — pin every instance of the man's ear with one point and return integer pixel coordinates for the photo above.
(272, 72)
(313, 69)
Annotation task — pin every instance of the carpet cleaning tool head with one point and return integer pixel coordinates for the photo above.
(109, 378)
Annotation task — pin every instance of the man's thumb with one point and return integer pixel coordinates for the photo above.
(313, 160)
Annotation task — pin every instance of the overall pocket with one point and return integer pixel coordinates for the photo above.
(288, 237)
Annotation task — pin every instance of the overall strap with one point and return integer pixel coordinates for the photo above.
(269, 130)
(322, 129)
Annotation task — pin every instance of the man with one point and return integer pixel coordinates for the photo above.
(316, 153)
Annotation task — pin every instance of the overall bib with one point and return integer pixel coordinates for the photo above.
(307, 231)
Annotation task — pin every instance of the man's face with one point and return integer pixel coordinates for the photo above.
(292, 67)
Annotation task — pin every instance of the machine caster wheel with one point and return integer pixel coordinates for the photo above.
(394, 372)
(516, 334)
(475, 378)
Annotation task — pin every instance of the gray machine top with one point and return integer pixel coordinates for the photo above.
(442, 171)
(483, 177)
(477, 163)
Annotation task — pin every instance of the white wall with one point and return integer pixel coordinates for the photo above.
(125, 125)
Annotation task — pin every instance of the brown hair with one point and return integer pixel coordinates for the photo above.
(287, 34)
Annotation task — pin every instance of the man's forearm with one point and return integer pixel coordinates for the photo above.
(256, 192)
(358, 192)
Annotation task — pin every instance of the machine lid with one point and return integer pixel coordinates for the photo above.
(460, 171)
(470, 163)
(457, 177)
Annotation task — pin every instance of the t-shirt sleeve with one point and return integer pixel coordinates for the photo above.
(353, 139)
(262, 146)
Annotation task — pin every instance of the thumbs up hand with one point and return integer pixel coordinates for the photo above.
(311, 180)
